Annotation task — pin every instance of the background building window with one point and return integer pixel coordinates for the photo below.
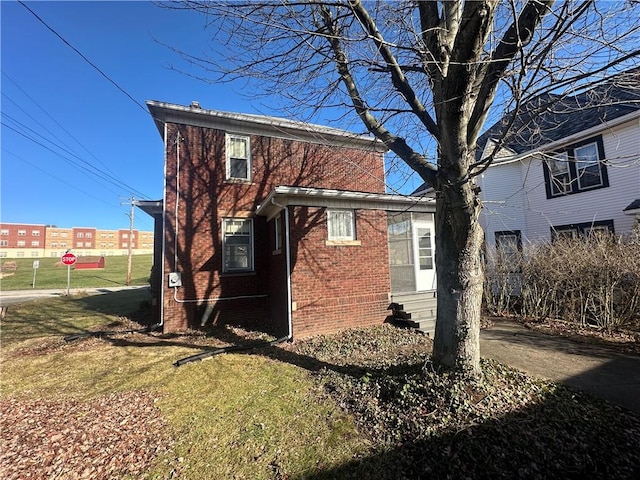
(237, 244)
(575, 230)
(238, 157)
(341, 225)
(577, 168)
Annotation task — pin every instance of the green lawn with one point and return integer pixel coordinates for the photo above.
(51, 274)
(365, 403)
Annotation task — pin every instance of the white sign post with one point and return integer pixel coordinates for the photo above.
(36, 265)
(68, 259)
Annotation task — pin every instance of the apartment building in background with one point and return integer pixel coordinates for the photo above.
(22, 240)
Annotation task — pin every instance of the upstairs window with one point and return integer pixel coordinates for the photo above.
(341, 225)
(237, 244)
(576, 169)
(238, 157)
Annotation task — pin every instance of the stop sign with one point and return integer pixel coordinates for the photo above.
(69, 258)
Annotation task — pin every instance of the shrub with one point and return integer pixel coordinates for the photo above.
(593, 280)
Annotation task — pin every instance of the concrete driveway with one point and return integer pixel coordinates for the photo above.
(598, 370)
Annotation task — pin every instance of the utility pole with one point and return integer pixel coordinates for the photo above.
(130, 242)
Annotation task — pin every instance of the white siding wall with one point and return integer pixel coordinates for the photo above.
(526, 206)
(502, 197)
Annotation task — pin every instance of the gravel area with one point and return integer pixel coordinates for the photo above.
(108, 437)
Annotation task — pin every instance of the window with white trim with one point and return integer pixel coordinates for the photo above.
(575, 169)
(238, 157)
(341, 225)
(22, 233)
(277, 225)
(4, 243)
(35, 233)
(4, 231)
(237, 244)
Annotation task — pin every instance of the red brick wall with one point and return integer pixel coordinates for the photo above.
(338, 286)
(13, 238)
(206, 199)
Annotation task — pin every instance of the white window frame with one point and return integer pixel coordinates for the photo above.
(230, 158)
(229, 224)
(277, 226)
(559, 174)
(4, 231)
(341, 225)
(585, 162)
(22, 233)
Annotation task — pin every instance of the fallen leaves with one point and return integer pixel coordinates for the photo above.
(108, 437)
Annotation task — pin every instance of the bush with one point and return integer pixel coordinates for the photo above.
(592, 280)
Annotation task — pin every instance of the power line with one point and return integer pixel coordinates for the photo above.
(85, 58)
(50, 116)
(100, 175)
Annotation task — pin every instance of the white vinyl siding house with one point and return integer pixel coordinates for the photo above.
(519, 194)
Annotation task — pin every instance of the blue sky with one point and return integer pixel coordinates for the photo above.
(61, 118)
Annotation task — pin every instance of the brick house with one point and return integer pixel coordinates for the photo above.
(280, 226)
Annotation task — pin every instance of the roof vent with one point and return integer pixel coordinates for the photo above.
(195, 104)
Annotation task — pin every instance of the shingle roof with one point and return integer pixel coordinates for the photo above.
(550, 117)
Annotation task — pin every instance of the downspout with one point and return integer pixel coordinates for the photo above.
(288, 337)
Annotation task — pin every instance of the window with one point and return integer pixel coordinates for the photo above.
(35, 254)
(22, 233)
(35, 233)
(125, 235)
(425, 249)
(509, 242)
(4, 231)
(559, 174)
(35, 243)
(588, 166)
(87, 244)
(79, 245)
(89, 235)
(80, 235)
(64, 234)
(575, 230)
(237, 244)
(63, 244)
(125, 244)
(54, 244)
(277, 224)
(4, 243)
(3, 254)
(20, 254)
(103, 235)
(21, 243)
(238, 158)
(54, 234)
(341, 225)
(575, 169)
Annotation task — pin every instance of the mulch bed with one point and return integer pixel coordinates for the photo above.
(108, 437)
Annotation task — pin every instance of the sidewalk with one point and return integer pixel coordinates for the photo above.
(598, 370)
(8, 297)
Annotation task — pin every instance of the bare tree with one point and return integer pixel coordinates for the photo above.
(423, 77)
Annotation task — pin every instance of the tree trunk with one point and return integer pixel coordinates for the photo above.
(459, 239)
